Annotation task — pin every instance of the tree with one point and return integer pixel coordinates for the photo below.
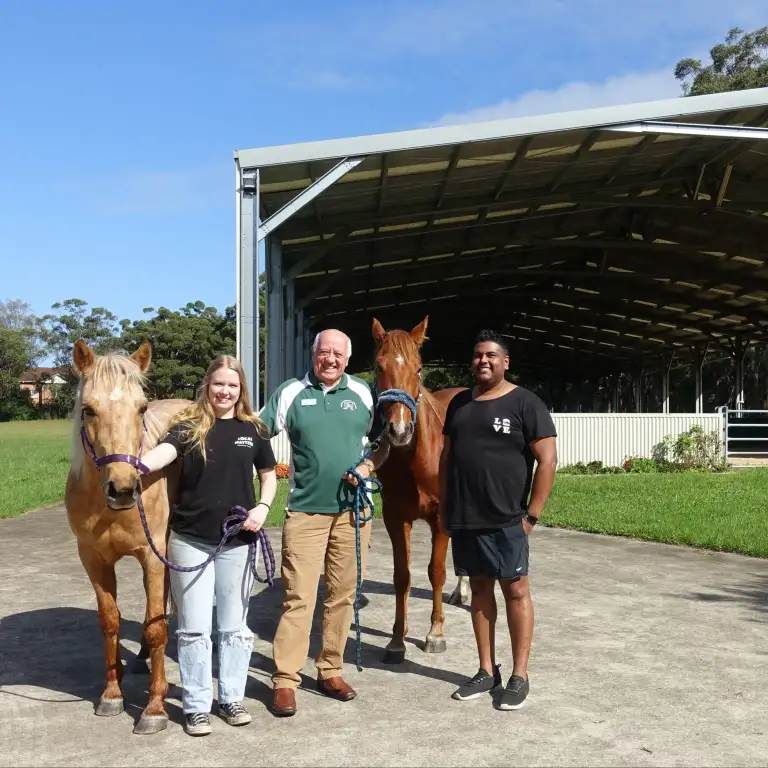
(183, 344)
(72, 321)
(16, 356)
(741, 62)
(17, 315)
(60, 330)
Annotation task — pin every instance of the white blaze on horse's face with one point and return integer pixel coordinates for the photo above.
(400, 430)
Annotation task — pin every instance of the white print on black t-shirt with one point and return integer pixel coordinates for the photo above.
(501, 425)
(244, 442)
(348, 405)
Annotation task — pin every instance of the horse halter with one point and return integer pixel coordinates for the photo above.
(111, 458)
(402, 397)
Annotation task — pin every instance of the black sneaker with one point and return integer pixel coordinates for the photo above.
(197, 724)
(481, 683)
(515, 693)
(234, 713)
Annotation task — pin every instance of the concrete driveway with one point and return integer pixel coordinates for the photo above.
(643, 654)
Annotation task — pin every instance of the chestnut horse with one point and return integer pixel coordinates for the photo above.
(112, 424)
(409, 476)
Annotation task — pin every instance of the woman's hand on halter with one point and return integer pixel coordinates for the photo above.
(256, 517)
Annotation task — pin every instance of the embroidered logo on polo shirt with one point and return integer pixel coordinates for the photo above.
(244, 442)
(348, 405)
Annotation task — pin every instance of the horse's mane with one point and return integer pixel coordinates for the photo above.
(117, 369)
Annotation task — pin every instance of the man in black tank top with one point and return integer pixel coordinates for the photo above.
(489, 503)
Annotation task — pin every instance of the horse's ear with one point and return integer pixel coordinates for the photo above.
(419, 333)
(83, 358)
(379, 334)
(143, 356)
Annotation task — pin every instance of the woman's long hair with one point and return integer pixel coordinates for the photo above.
(200, 416)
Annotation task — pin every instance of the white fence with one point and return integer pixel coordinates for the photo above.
(612, 437)
(606, 437)
(281, 448)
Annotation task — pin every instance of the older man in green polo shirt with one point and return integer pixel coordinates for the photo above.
(327, 416)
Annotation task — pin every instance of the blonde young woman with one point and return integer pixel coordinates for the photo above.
(219, 441)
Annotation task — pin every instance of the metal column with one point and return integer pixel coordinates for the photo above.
(247, 300)
(667, 362)
(299, 342)
(289, 327)
(275, 324)
(699, 356)
(739, 353)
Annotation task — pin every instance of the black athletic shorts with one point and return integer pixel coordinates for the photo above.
(498, 553)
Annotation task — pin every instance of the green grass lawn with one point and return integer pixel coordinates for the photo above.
(715, 511)
(34, 461)
(722, 512)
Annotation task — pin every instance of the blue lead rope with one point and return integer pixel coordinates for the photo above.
(362, 498)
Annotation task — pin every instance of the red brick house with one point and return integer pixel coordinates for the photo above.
(42, 382)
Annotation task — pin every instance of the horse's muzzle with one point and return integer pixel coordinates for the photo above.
(121, 496)
(400, 432)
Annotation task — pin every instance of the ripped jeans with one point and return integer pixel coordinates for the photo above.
(230, 578)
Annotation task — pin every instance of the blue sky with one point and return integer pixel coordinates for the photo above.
(118, 121)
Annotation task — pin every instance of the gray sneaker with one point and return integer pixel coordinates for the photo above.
(515, 693)
(234, 713)
(197, 724)
(476, 686)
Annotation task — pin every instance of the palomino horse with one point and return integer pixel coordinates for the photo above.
(409, 476)
(112, 424)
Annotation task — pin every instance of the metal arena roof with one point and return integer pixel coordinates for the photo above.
(608, 236)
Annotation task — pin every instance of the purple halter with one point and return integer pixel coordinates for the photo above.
(111, 458)
(232, 524)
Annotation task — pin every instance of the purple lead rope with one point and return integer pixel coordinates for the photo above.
(231, 527)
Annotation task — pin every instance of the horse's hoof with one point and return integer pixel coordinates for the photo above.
(435, 645)
(109, 707)
(394, 655)
(140, 667)
(149, 724)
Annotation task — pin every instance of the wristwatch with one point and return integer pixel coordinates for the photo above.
(530, 519)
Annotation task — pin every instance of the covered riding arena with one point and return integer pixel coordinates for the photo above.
(611, 246)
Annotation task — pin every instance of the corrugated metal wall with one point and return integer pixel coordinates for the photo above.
(605, 437)
(611, 438)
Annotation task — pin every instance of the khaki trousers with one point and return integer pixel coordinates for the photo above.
(309, 541)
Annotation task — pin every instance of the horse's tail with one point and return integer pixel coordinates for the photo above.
(170, 605)
(171, 609)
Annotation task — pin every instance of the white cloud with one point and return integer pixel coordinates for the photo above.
(623, 89)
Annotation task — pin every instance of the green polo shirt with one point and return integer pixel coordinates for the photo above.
(327, 430)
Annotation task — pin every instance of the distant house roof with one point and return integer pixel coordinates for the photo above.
(34, 375)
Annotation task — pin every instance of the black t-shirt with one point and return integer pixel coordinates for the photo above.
(210, 489)
(490, 466)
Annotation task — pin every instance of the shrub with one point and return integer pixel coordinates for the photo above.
(637, 464)
(282, 471)
(691, 450)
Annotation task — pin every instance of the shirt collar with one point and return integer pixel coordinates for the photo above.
(312, 381)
